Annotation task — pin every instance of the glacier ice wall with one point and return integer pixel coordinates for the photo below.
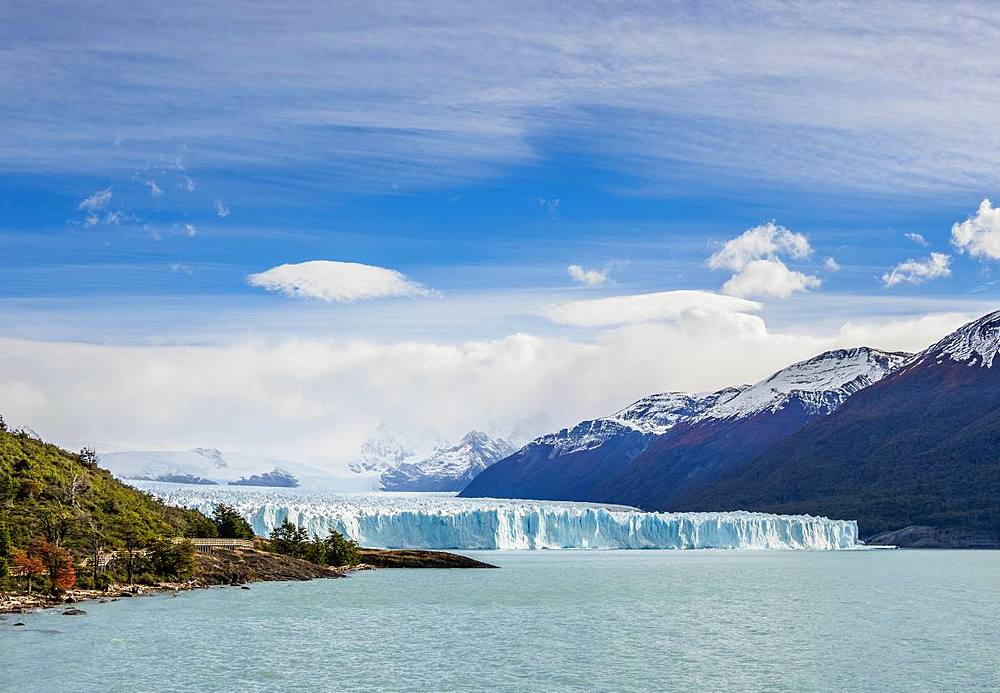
(440, 521)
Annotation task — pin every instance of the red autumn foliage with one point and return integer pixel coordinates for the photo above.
(57, 562)
(27, 565)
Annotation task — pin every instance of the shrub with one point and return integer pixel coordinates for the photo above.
(172, 560)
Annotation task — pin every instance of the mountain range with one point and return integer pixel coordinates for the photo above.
(450, 468)
(905, 444)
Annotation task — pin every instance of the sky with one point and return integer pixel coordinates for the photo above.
(273, 227)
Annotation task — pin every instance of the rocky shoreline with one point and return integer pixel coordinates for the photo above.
(238, 568)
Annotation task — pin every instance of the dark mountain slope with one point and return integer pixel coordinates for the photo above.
(569, 464)
(732, 433)
(921, 447)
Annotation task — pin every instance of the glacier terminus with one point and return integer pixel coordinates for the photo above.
(442, 521)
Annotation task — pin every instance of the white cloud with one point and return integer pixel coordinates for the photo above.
(316, 397)
(643, 88)
(190, 230)
(979, 235)
(907, 334)
(154, 189)
(96, 201)
(221, 209)
(639, 308)
(91, 220)
(916, 238)
(766, 241)
(769, 278)
(328, 280)
(831, 265)
(590, 277)
(759, 271)
(918, 271)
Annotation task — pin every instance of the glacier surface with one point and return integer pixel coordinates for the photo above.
(442, 521)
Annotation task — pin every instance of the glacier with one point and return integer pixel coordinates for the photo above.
(443, 521)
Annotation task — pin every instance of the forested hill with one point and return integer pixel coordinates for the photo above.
(47, 493)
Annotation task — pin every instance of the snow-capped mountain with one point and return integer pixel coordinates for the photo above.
(731, 433)
(380, 451)
(917, 449)
(450, 468)
(819, 385)
(390, 446)
(207, 466)
(665, 443)
(974, 344)
(652, 415)
(566, 464)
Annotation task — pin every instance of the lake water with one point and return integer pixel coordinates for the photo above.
(547, 621)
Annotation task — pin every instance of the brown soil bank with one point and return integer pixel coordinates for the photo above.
(411, 558)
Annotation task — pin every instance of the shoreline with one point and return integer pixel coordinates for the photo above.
(240, 569)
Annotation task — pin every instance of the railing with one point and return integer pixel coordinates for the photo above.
(210, 545)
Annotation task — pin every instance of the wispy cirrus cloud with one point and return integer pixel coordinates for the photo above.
(96, 201)
(652, 307)
(344, 95)
(332, 281)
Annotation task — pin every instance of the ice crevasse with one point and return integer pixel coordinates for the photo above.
(434, 521)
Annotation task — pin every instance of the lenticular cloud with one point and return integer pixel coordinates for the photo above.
(332, 281)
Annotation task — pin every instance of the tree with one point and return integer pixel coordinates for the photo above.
(289, 539)
(89, 457)
(132, 552)
(8, 490)
(340, 550)
(27, 566)
(72, 490)
(230, 524)
(172, 559)
(3, 425)
(95, 543)
(56, 525)
(198, 525)
(5, 552)
(58, 563)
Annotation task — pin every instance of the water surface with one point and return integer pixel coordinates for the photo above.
(566, 620)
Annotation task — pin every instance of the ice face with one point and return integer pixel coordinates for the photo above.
(441, 521)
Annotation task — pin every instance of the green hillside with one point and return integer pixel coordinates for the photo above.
(58, 508)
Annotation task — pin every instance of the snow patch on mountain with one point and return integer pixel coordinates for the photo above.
(976, 343)
(209, 465)
(450, 468)
(388, 447)
(821, 383)
(652, 415)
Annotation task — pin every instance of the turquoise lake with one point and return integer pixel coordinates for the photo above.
(547, 621)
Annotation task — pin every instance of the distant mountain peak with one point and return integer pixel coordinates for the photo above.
(820, 383)
(448, 468)
(976, 343)
(655, 414)
(213, 455)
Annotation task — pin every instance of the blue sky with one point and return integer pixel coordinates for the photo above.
(152, 158)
